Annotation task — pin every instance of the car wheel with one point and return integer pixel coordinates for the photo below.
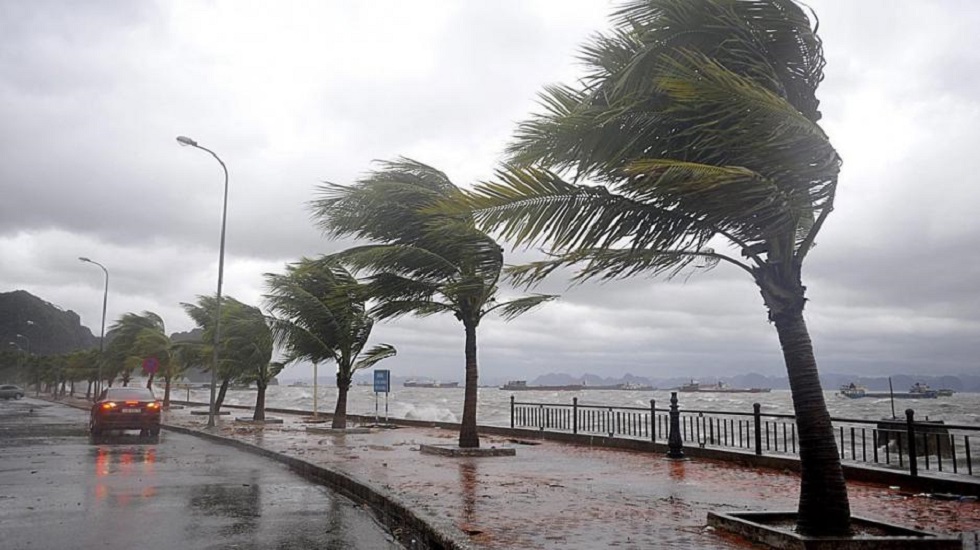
(18, 396)
(155, 432)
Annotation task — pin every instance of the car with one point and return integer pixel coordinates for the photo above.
(126, 409)
(9, 391)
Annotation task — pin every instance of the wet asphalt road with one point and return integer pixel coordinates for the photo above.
(60, 490)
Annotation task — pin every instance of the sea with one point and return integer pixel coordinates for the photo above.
(493, 409)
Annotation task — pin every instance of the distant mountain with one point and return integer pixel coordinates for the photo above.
(49, 329)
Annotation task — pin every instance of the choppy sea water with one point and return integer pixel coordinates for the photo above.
(446, 404)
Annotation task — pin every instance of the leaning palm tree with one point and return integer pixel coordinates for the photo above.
(245, 344)
(183, 356)
(319, 314)
(421, 261)
(696, 126)
(134, 338)
(247, 338)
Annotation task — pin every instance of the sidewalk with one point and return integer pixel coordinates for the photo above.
(553, 495)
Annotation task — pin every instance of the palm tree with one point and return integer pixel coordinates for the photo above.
(247, 341)
(697, 120)
(246, 344)
(82, 367)
(421, 262)
(136, 337)
(183, 356)
(319, 315)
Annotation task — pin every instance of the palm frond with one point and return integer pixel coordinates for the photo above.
(372, 356)
(511, 309)
(608, 264)
(402, 259)
(393, 309)
(531, 205)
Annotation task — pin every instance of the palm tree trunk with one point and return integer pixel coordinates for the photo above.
(340, 412)
(468, 438)
(260, 401)
(166, 391)
(221, 394)
(823, 509)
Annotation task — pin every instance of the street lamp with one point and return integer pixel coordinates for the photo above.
(37, 373)
(105, 298)
(184, 141)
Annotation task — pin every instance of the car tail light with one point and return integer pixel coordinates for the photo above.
(153, 405)
(109, 405)
(132, 403)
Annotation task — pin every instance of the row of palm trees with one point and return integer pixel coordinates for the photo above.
(693, 140)
(319, 315)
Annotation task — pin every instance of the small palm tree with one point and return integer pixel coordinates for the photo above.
(245, 345)
(421, 262)
(698, 120)
(134, 338)
(318, 315)
(247, 338)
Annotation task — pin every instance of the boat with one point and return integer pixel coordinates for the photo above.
(629, 386)
(917, 391)
(944, 392)
(521, 385)
(720, 387)
(429, 384)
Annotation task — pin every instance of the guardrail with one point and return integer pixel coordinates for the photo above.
(906, 444)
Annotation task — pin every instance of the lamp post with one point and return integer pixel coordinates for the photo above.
(105, 299)
(37, 373)
(184, 141)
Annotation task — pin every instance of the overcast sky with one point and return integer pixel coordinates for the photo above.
(290, 94)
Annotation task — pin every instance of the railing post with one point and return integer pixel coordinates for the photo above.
(910, 423)
(575, 415)
(675, 446)
(512, 412)
(653, 420)
(757, 415)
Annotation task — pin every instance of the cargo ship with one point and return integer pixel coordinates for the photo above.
(429, 384)
(917, 391)
(521, 385)
(720, 387)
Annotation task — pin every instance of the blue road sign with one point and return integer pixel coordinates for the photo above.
(382, 381)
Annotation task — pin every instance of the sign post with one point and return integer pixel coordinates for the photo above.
(382, 383)
(151, 365)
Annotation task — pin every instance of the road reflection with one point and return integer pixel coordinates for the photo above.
(123, 471)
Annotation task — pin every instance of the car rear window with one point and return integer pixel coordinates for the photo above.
(123, 394)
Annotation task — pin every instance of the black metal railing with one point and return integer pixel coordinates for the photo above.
(906, 443)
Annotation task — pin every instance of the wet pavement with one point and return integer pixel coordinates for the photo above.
(60, 489)
(554, 495)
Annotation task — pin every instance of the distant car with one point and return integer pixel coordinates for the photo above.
(9, 391)
(126, 409)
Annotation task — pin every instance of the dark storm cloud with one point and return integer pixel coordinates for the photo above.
(92, 95)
